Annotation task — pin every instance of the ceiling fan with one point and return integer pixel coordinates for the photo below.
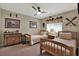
(38, 10)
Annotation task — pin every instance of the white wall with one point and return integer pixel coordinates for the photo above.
(0, 27)
(70, 15)
(24, 23)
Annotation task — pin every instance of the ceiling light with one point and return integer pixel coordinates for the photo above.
(38, 13)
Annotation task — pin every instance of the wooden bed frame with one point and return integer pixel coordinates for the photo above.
(54, 50)
(29, 38)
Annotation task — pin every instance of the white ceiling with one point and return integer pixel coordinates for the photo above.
(50, 8)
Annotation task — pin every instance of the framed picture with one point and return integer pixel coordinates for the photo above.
(32, 24)
(12, 23)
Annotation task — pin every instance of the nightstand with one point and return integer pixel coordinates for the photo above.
(51, 36)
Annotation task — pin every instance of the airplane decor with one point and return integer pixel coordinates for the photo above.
(71, 21)
(52, 19)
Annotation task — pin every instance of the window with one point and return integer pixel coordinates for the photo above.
(54, 27)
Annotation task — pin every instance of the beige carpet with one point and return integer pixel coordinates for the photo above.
(21, 50)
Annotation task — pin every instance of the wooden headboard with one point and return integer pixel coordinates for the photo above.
(77, 39)
(73, 33)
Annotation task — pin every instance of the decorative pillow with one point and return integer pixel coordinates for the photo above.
(53, 33)
(65, 35)
(43, 33)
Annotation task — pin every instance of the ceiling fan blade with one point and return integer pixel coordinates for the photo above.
(35, 14)
(34, 8)
(43, 12)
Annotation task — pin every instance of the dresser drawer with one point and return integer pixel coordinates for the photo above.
(11, 39)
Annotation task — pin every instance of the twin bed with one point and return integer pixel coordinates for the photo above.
(65, 45)
(34, 38)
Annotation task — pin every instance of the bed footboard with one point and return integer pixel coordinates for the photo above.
(29, 38)
(55, 48)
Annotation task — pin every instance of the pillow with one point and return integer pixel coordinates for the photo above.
(53, 33)
(65, 35)
(43, 33)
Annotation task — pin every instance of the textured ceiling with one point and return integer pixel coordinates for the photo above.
(50, 8)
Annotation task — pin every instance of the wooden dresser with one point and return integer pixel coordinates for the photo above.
(11, 38)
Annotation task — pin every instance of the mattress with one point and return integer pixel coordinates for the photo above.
(36, 38)
(33, 37)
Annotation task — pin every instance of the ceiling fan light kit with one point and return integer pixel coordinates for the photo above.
(38, 13)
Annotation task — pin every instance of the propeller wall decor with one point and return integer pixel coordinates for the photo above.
(71, 21)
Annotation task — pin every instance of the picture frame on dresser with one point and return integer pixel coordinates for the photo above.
(12, 23)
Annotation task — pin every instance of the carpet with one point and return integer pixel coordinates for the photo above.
(22, 50)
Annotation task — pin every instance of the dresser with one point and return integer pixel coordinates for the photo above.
(11, 38)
